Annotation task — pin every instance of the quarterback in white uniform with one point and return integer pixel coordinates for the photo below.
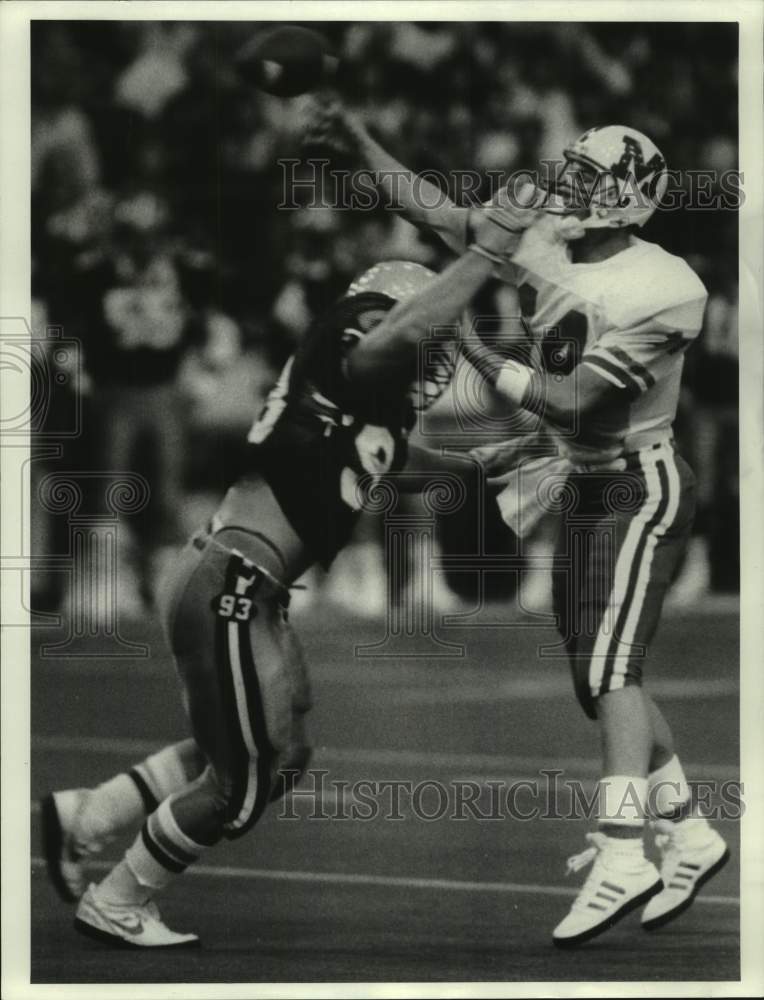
(609, 317)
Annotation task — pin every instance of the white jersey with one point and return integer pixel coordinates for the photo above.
(628, 318)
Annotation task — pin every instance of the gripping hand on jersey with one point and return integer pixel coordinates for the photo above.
(499, 225)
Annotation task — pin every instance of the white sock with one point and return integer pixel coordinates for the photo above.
(112, 807)
(167, 771)
(622, 802)
(669, 794)
(120, 804)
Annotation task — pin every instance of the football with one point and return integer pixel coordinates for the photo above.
(287, 61)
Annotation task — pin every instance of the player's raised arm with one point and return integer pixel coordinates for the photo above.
(388, 354)
(420, 202)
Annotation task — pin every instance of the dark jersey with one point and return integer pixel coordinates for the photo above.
(317, 442)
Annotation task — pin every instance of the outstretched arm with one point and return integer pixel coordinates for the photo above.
(387, 354)
(385, 359)
(420, 202)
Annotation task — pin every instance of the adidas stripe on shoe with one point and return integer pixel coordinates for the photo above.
(692, 853)
(621, 879)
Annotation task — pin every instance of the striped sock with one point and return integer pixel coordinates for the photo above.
(159, 853)
(167, 843)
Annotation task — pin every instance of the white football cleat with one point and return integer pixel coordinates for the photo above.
(620, 880)
(63, 854)
(692, 853)
(129, 926)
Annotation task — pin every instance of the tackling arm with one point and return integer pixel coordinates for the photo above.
(386, 357)
(387, 354)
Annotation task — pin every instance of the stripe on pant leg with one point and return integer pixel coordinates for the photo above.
(249, 773)
(256, 774)
(623, 563)
(237, 745)
(671, 490)
(655, 476)
(265, 751)
(618, 648)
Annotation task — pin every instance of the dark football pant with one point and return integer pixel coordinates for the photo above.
(243, 674)
(620, 545)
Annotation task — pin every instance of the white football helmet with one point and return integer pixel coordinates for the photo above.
(614, 176)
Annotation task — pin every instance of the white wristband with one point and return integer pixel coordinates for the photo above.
(513, 381)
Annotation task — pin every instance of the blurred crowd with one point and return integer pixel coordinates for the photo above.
(158, 244)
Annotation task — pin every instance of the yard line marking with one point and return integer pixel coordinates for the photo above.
(385, 881)
(490, 764)
(551, 681)
(96, 744)
(538, 688)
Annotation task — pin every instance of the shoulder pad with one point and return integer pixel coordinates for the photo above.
(656, 282)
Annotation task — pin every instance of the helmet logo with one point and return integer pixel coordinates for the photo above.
(620, 174)
(632, 163)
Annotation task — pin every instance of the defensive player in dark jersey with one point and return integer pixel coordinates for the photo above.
(337, 417)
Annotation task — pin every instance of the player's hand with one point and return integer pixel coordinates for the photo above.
(498, 226)
(332, 125)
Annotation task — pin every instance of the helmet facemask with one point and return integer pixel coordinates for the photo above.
(605, 182)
